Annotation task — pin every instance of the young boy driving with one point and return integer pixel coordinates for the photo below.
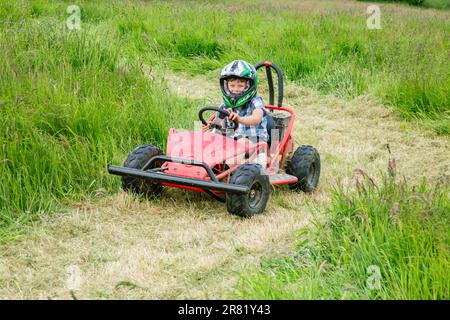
(238, 82)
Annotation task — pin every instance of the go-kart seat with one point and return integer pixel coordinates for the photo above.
(270, 127)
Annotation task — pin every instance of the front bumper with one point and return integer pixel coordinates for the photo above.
(164, 177)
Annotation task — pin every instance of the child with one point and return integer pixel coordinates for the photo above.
(238, 82)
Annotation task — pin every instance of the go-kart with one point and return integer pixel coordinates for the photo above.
(223, 167)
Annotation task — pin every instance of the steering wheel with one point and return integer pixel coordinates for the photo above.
(222, 114)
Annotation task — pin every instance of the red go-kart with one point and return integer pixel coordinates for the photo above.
(223, 167)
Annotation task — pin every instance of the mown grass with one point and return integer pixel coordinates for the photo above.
(73, 101)
(381, 241)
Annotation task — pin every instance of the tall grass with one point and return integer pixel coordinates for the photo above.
(71, 102)
(385, 241)
(436, 4)
(324, 45)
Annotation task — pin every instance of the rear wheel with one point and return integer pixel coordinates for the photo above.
(255, 201)
(136, 160)
(305, 165)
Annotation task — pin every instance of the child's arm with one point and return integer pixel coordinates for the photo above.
(216, 121)
(252, 120)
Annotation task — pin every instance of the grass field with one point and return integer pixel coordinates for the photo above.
(387, 241)
(73, 101)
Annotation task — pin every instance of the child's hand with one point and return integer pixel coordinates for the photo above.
(205, 127)
(233, 115)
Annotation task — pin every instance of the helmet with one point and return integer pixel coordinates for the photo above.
(238, 69)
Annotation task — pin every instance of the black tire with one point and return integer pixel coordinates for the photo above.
(305, 165)
(254, 202)
(136, 160)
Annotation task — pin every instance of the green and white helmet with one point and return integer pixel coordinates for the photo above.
(238, 69)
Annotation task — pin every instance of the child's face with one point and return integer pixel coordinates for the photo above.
(236, 86)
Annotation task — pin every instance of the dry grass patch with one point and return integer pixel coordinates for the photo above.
(175, 247)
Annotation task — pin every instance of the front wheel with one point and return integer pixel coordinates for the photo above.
(137, 159)
(255, 201)
(305, 165)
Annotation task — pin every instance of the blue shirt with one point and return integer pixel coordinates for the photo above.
(253, 133)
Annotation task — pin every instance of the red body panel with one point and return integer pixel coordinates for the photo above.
(206, 147)
(213, 149)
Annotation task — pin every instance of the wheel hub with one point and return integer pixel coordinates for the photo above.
(311, 173)
(255, 195)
